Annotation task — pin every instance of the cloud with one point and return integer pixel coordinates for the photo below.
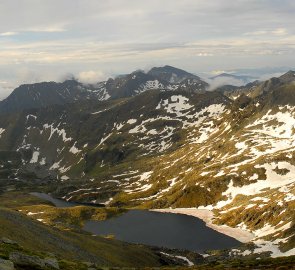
(46, 29)
(273, 32)
(91, 76)
(6, 34)
(220, 81)
(5, 89)
(280, 32)
(218, 72)
(267, 76)
(52, 38)
(75, 51)
(4, 92)
(204, 54)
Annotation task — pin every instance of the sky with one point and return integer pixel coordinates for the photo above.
(94, 39)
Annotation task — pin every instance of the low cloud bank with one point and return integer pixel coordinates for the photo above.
(220, 81)
(91, 76)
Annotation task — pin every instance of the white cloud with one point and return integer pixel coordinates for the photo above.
(218, 72)
(270, 75)
(273, 32)
(46, 29)
(117, 36)
(280, 32)
(204, 54)
(5, 89)
(91, 76)
(6, 34)
(220, 81)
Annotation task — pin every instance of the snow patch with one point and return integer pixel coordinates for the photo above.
(35, 157)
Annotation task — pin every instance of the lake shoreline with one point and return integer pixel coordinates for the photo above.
(207, 216)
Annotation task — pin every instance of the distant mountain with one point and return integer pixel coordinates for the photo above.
(266, 72)
(165, 78)
(172, 74)
(257, 88)
(44, 94)
(51, 93)
(133, 84)
(242, 78)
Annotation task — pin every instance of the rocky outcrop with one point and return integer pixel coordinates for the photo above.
(24, 260)
(7, 241)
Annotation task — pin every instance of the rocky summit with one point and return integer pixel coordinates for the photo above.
(161, 140)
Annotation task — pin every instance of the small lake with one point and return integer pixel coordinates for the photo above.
(162, 229)
(156, 229)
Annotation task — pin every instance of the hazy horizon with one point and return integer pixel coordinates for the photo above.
(93, 40)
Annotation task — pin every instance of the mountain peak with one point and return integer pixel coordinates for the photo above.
(168, 68)
(172, 74)
(290, 72)
(137, 71)
(288, 77)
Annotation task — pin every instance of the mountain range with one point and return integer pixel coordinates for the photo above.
(51, 93)
(159, 140)
(243, 79)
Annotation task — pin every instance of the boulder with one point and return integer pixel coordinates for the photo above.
(88, 264)
(21, 259)
(7, 241)
(51, 263)
(6, 265)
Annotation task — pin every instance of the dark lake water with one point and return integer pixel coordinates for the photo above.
(156, 229)
(162, 229)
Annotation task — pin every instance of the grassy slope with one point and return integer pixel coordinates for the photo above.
(35, 236)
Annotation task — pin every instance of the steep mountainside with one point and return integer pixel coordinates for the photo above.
(273, 84)
(86, 136)
(49, 93)
(72, 245)
(232, 155)
(235, 91)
